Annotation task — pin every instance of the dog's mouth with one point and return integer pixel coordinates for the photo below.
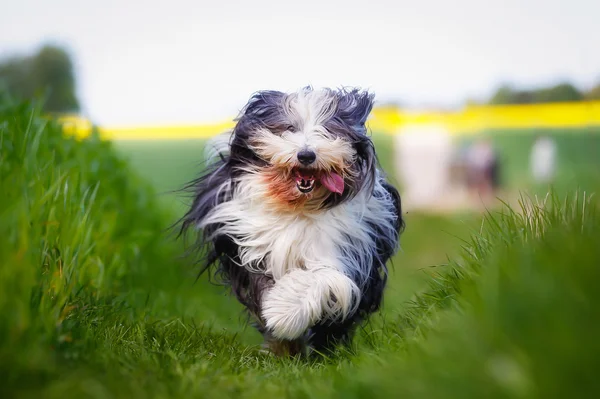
(306, 179)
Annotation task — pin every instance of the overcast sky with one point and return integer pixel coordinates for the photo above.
(198, 61)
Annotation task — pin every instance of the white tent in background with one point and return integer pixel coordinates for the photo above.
(543, 159)
(423, 157)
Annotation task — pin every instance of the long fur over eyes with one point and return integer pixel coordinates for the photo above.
(302, 240)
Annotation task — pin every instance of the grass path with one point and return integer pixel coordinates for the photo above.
(95, 301)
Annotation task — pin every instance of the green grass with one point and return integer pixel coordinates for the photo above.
(95, 301)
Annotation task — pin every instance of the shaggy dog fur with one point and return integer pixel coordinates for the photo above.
(295, 215)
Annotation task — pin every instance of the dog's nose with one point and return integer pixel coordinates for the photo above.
(306, 157)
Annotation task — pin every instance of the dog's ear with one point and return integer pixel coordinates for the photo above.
(354, 107)
(264, 109)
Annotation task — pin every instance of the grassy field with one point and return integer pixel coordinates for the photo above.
(168, 165)
(96, 302)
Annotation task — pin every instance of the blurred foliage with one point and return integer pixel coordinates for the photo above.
(67, 244)
(49, 72)
(594, 93)
(515, 317)
(562, 92)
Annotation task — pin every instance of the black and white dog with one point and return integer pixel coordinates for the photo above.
(296, 217)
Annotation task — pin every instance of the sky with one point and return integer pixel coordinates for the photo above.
(148, 62)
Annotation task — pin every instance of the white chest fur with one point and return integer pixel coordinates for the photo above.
(313, 257)
(284, 242)
(275, 242)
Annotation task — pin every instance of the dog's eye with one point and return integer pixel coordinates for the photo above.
(291, 128)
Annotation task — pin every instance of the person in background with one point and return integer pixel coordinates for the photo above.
(483, 169)
(543, 160)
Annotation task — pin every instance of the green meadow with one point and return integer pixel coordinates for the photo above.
(97, 301)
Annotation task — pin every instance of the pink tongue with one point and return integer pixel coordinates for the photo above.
(333, 182)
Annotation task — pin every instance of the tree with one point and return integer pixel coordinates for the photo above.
(49, 72)
(562, 92)
(506, 94)
(503, 95)
(594, 93)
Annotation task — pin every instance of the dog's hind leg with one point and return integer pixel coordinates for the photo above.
(325, 336)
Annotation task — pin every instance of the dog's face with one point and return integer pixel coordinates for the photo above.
(309, 148)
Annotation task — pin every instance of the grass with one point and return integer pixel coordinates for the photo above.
(95, 302)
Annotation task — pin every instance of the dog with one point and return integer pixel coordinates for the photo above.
(295, 215)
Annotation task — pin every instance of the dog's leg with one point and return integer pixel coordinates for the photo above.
(303, 297)
(285, 347)
(249, 289)
(279, 347)
(325, 337)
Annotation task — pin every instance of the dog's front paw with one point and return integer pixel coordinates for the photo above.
(287, 311)
(302, 297)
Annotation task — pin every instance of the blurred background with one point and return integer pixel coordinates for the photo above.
(502, 75)
(478, 103)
